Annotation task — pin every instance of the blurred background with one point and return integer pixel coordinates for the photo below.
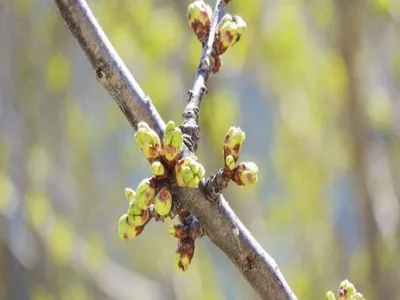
(314, 83)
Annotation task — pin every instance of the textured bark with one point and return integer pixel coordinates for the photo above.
(190, 124)
(218, 220)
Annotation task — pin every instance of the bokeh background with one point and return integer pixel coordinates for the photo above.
(314, 83)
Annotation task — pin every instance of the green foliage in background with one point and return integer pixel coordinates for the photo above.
(67, 152)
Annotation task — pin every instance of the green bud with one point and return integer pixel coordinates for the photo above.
(189, 172)
(199, 17)
(245, 174)
(145, 193)
(148, 141)
(126, 230)
(330, 296)
(230, 162)
(130, 194)
(233, 143)
(357, 296)
(228, 33)
(241, 26)
(137, 216)
(184, 253)
(346, 290)
(157, 168)
(172, 141)
(163, 201)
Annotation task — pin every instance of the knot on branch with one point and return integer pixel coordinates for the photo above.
(215, 185)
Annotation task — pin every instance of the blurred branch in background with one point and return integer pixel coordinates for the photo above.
(349, 30)
(83, 256)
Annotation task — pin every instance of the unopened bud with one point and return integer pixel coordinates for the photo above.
(126, 230)
(199, 16)
(172, 141)
(137, 216)
(330, 296)
(157, 168)
(184, 253)
(245, 174)
(145, 193)
(189, 172)
(228, 33)
(230, 162)
(346, 290)
(148, 141)
(163, 201)
(233, 143)
(129, 194)
(241, 26)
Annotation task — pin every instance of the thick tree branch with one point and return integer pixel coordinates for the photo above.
(219, 221)
(190, 123)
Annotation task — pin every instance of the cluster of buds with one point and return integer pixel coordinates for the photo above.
(346, 291)
(228, 32)
(186, 233)
(131, 224)
(163, 156)
(245, 173)
(153, 196)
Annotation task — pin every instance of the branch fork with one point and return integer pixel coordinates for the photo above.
(217, 220)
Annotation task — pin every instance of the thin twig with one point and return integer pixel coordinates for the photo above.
(190, 123)
(218, 220)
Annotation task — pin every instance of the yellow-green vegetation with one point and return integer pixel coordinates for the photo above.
(66, 151)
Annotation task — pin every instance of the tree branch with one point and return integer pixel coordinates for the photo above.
(190, 123)
(219, 221)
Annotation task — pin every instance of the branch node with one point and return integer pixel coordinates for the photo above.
(215, 184)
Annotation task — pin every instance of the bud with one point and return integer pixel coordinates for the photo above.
(189, 172)
(241, 26)
(130, 194)
(145, 193)
(330, 296)
(346, 290)
(148, 141)
(178, 232)
(172, 141)
(184, 253)
(245, 174)
(234, 140)
(126, 230)
(199, 16)
(227, 32)
(157, 168)
(137, 216)
(163, 201)
(357, 296)
(230, 162)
